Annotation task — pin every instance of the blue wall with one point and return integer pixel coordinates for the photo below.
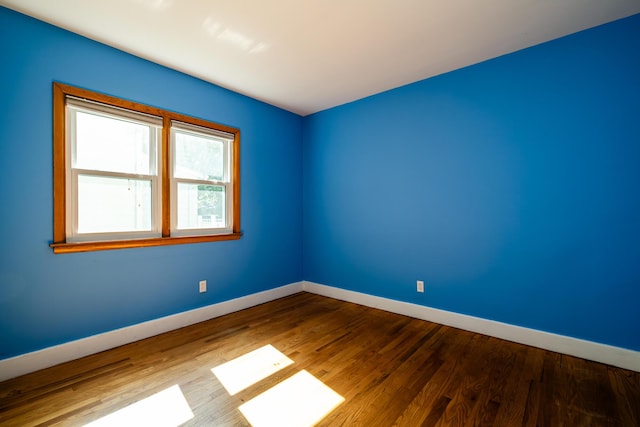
(47, 299)
(511, 187)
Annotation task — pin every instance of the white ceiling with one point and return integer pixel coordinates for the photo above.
(309, 55)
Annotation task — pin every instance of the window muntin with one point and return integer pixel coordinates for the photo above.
(120, 182)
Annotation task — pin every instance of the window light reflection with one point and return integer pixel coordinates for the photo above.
(248, 369)
(301, 400)
(167, 408)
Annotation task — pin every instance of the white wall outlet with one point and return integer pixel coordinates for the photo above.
(203, 286)
(420, 286)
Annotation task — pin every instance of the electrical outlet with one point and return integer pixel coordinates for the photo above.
(203, 286)
(420, 286)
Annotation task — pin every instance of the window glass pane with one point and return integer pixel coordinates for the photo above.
(201, 206)
(198, 157)
(107, 204)
(108, 144)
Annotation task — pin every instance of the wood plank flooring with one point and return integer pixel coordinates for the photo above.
(390, 369)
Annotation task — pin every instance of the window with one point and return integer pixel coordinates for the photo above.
(130, 175)
(111, 173)
(200, 184)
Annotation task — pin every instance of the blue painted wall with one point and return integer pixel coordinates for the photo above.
(511, 187)
(47, 299)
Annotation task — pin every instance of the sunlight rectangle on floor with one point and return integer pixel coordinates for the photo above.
(300, 400)
(248, 369)
(167, 408)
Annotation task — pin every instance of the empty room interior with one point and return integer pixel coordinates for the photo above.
(292, 213)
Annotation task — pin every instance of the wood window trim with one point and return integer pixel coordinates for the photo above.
(60, 245)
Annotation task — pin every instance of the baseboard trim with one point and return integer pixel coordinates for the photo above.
(34, 361)
(603, 353)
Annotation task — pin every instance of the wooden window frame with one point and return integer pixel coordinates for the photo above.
(60, 244)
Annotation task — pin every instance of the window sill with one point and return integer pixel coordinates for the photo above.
(65, 248)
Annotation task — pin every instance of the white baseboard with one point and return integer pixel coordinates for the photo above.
(31, 362)
(603, 353)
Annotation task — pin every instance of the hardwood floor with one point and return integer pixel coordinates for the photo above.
(390, 370)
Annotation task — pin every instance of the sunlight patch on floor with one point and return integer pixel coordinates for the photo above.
(167, 408)
(300, 400)
(248, 369)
